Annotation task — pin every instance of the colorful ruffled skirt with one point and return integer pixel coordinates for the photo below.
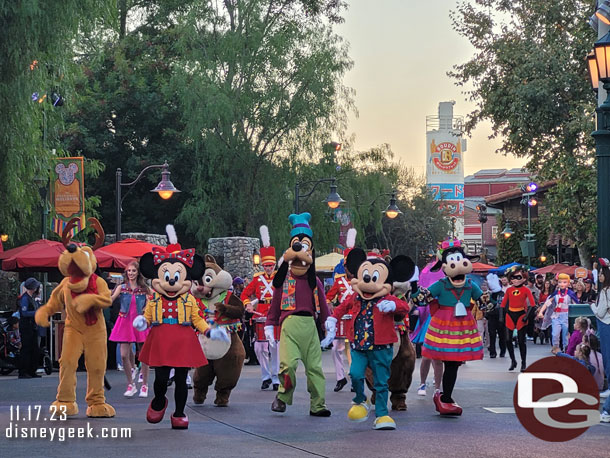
(423, 320)
(451, 338)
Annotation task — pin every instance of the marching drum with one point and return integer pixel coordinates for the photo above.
(260, 330)
(342, 326)
(213, 349)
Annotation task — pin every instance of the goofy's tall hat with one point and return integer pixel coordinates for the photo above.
(267, 251)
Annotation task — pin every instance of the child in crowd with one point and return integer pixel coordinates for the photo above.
(595, 358)
(581, 325)
(582, 354)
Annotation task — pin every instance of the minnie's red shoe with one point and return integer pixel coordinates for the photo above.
(180, 422)
(446, 408)
(155, 416)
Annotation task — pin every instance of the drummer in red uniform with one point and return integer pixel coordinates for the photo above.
(262, 290)
(339, 292)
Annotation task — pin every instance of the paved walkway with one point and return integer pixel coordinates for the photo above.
(248, 428)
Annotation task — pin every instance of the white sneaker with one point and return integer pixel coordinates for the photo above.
(422, 390)
(119, 367)
(140, 378)
(605, 394)
(189, 381)
(605, 417)
(131, 390)
(144, 391)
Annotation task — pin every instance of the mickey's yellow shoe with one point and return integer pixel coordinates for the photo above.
(384, 422)
(359, 412)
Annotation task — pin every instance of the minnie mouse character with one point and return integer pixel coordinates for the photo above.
(373, 310)
(172, 311)
(515, 309)
(452, 336)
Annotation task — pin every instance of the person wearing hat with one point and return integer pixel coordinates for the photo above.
(260, 288)
(298, 299)
(30, 351)
(339, 292)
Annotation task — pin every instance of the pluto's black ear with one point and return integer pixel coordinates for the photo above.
(436, 267)
(355, 257)
(402, 267)
(280, 275)
(147, 266)
(196, 272)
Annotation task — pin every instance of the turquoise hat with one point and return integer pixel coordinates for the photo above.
(300, 224)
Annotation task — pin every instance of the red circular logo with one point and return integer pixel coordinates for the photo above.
(556, 399)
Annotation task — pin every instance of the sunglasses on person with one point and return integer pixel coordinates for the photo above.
(517, 277)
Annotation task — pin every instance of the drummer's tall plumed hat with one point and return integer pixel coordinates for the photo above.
(267, 251)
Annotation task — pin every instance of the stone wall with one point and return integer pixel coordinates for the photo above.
(9, 290)
(235, 254)
(157, 239)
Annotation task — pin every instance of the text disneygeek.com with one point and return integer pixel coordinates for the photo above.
(61, 433)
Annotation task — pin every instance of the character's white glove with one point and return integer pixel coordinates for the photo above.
(254, 303)
(270, 335)
(217, 333)
(140, 323)
(330, 336)
(386, 306)
(331, 324)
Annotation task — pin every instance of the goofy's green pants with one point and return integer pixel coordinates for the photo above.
(299, 340)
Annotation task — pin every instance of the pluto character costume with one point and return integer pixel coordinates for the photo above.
(83, 295)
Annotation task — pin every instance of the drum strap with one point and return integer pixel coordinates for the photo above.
(267, 285)
(348, 289)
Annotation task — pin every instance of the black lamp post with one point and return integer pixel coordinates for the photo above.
(602, 143)
(333, 200)
(165, 188)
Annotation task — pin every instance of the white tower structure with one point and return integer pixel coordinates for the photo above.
(444, 163)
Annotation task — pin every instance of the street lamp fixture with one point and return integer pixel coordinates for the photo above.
(165, 189)
(392, 211)
(507, 232)
(593, 71)
(333, 200)
(4, 238)
(542, 258)
(603, 12)
(601, 50)
(256, 258)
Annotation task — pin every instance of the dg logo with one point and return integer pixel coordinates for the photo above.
(556, 399)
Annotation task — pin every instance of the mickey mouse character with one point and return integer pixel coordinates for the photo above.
(515, 309)
(172, 311)
(373, 309)
(298, 297)
(452, 336)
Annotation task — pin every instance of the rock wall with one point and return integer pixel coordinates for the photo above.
(235, 254)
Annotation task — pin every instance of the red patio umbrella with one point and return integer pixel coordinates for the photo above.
(129, 247)
(481, 267)
(13, 251)
(42, 256)
(558, 269)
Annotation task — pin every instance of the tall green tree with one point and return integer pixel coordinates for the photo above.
(261, 87)
(35, 56)
(528, 78)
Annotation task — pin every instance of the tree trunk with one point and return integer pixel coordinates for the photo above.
(585, 256)
(122, 18)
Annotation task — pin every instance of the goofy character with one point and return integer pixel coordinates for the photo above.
(298, 297)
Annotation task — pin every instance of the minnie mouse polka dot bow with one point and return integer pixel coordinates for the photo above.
(604, 262)
(185, 256)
